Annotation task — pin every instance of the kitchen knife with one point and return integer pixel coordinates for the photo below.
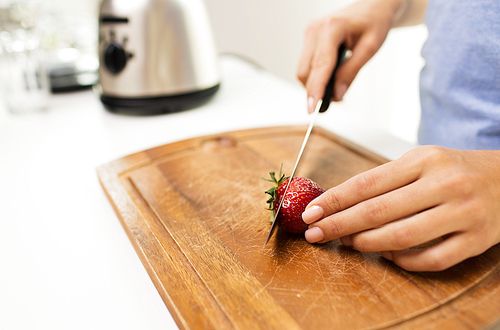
(321, 106)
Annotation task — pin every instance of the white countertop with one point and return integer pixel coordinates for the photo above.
(65, 260)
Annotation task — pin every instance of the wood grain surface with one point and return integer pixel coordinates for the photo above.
(195, 212)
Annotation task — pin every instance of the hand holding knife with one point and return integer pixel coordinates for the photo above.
(321, 106)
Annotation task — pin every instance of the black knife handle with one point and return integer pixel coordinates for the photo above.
(327, 97)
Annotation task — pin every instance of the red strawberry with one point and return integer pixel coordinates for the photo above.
(300, 193)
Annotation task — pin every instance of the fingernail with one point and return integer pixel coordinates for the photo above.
(387, 255)
(346, 240)
(340, 91)
(314, 235)
(310, 104)
(312, 214)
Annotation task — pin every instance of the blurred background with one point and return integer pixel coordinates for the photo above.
(269, 33)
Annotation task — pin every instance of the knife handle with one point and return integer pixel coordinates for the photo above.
(327, 97)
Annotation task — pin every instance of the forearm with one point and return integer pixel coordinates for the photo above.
(410, 12)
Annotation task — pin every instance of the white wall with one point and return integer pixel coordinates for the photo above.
(270, 32)
(74, 7)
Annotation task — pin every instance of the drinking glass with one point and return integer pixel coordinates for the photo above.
(24, 83)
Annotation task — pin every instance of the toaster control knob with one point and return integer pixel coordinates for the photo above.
(115, 58)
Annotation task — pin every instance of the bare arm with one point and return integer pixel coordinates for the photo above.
(411, 12)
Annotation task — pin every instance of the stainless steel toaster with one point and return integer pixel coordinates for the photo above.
(156, 56)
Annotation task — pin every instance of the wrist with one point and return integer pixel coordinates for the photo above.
(408, 12)
(400, 7)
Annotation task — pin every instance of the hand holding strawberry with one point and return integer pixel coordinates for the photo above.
(300, 193)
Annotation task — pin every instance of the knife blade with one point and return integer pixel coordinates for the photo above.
(321, 106)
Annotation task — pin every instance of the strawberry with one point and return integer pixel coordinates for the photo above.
(300, 193)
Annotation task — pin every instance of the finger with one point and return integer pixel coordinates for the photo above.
(379, 210)
(346, 240)
(438, 257)
(410, 232)
(310, 40)
(330, 37)
(362, 52)
(364, 186)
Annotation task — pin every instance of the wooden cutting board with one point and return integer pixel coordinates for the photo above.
(195, 212)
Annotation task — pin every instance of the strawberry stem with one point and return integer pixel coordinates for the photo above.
(273, 191)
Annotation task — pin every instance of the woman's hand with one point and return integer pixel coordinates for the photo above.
(428, 193)
(361, 27)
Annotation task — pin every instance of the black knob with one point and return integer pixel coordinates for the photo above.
(115, 58)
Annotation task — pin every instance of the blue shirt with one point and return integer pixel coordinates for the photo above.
(460, 82)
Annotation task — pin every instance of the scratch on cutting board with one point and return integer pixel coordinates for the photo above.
(385, 278)
(264, 287)
(325, 285)
(311, 306)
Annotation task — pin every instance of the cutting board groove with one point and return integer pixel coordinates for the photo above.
(195, 213)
